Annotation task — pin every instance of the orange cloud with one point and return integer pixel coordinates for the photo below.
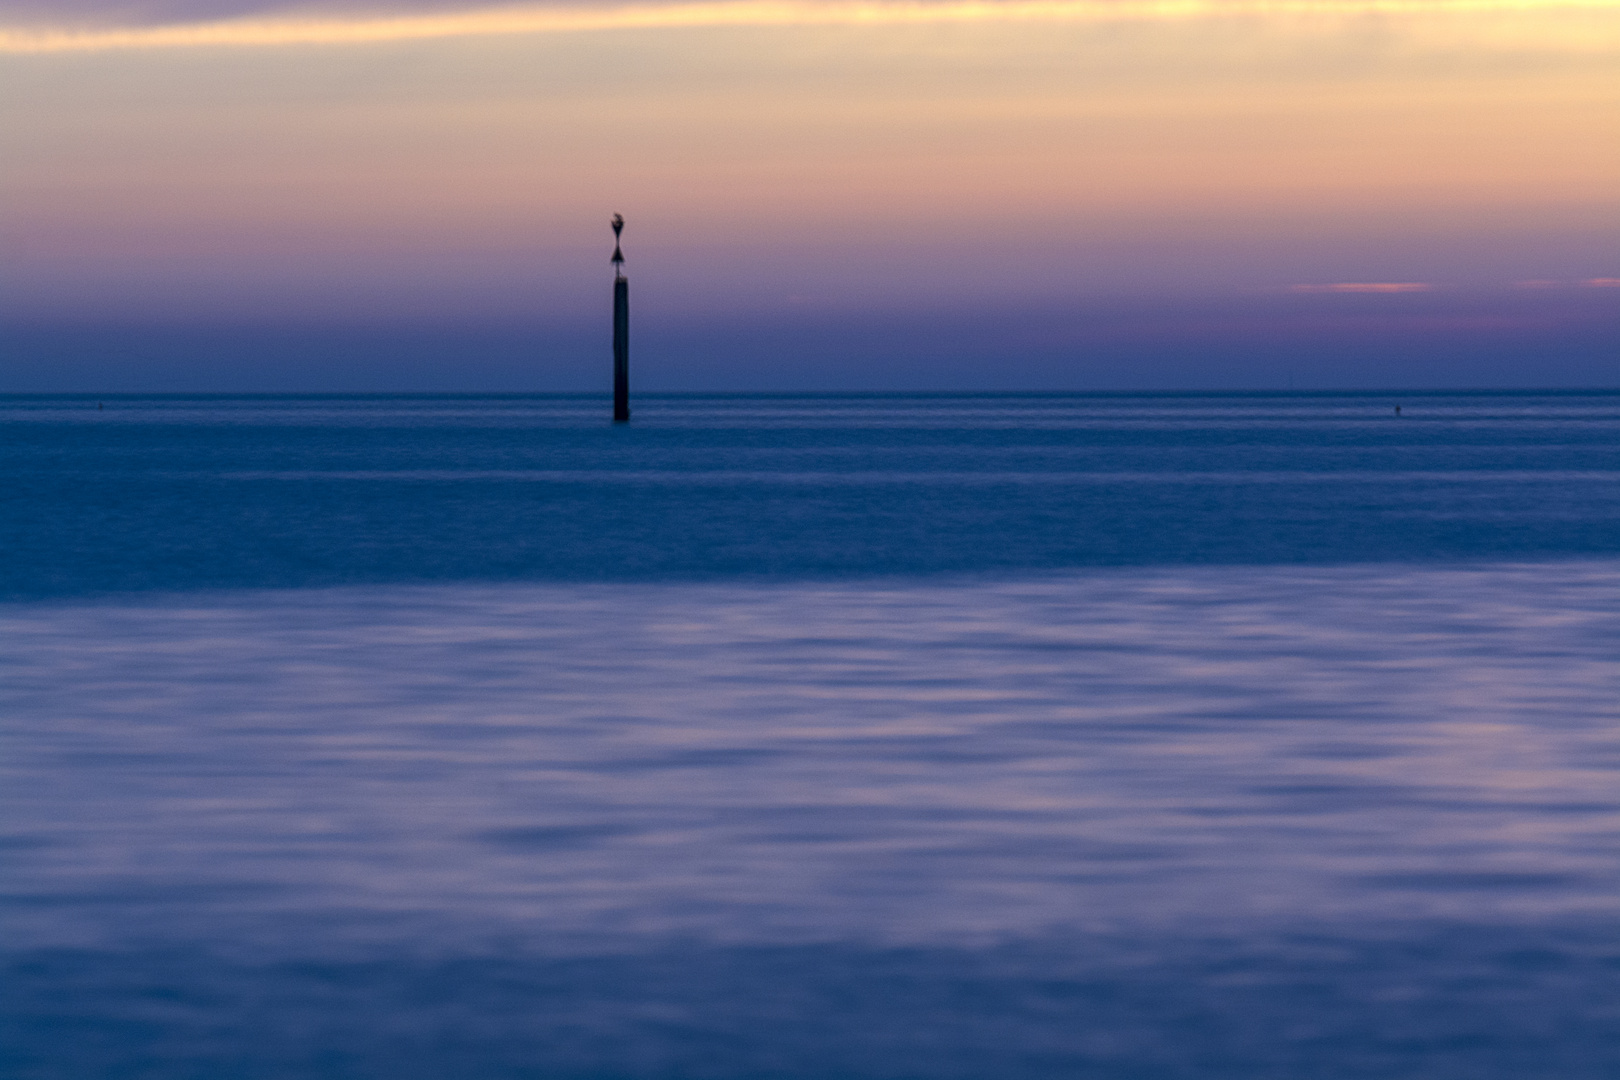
(1602, 282)
(503, 20)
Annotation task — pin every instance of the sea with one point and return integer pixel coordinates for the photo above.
(778, 737)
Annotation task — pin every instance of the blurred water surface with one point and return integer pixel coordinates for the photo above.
(1011, 736)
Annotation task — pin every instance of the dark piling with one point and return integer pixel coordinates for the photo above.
(621, 330)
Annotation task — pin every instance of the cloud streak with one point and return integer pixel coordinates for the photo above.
(270, 31)
(1364, 287)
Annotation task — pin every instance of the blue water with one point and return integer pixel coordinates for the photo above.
(1269, 736)
(182, 493)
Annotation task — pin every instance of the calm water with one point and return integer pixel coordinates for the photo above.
(955, 736)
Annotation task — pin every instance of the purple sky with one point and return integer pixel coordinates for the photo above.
(799, 180)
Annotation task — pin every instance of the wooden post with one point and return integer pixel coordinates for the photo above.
(621, 330)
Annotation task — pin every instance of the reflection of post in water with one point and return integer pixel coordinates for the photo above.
(621, 330)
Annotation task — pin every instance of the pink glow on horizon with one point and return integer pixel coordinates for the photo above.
(1364, 287)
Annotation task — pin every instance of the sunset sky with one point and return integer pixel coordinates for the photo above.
(242, 194)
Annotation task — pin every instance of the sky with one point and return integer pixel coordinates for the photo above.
(948, 194)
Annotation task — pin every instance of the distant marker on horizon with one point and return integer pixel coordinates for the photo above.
(621, 330)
